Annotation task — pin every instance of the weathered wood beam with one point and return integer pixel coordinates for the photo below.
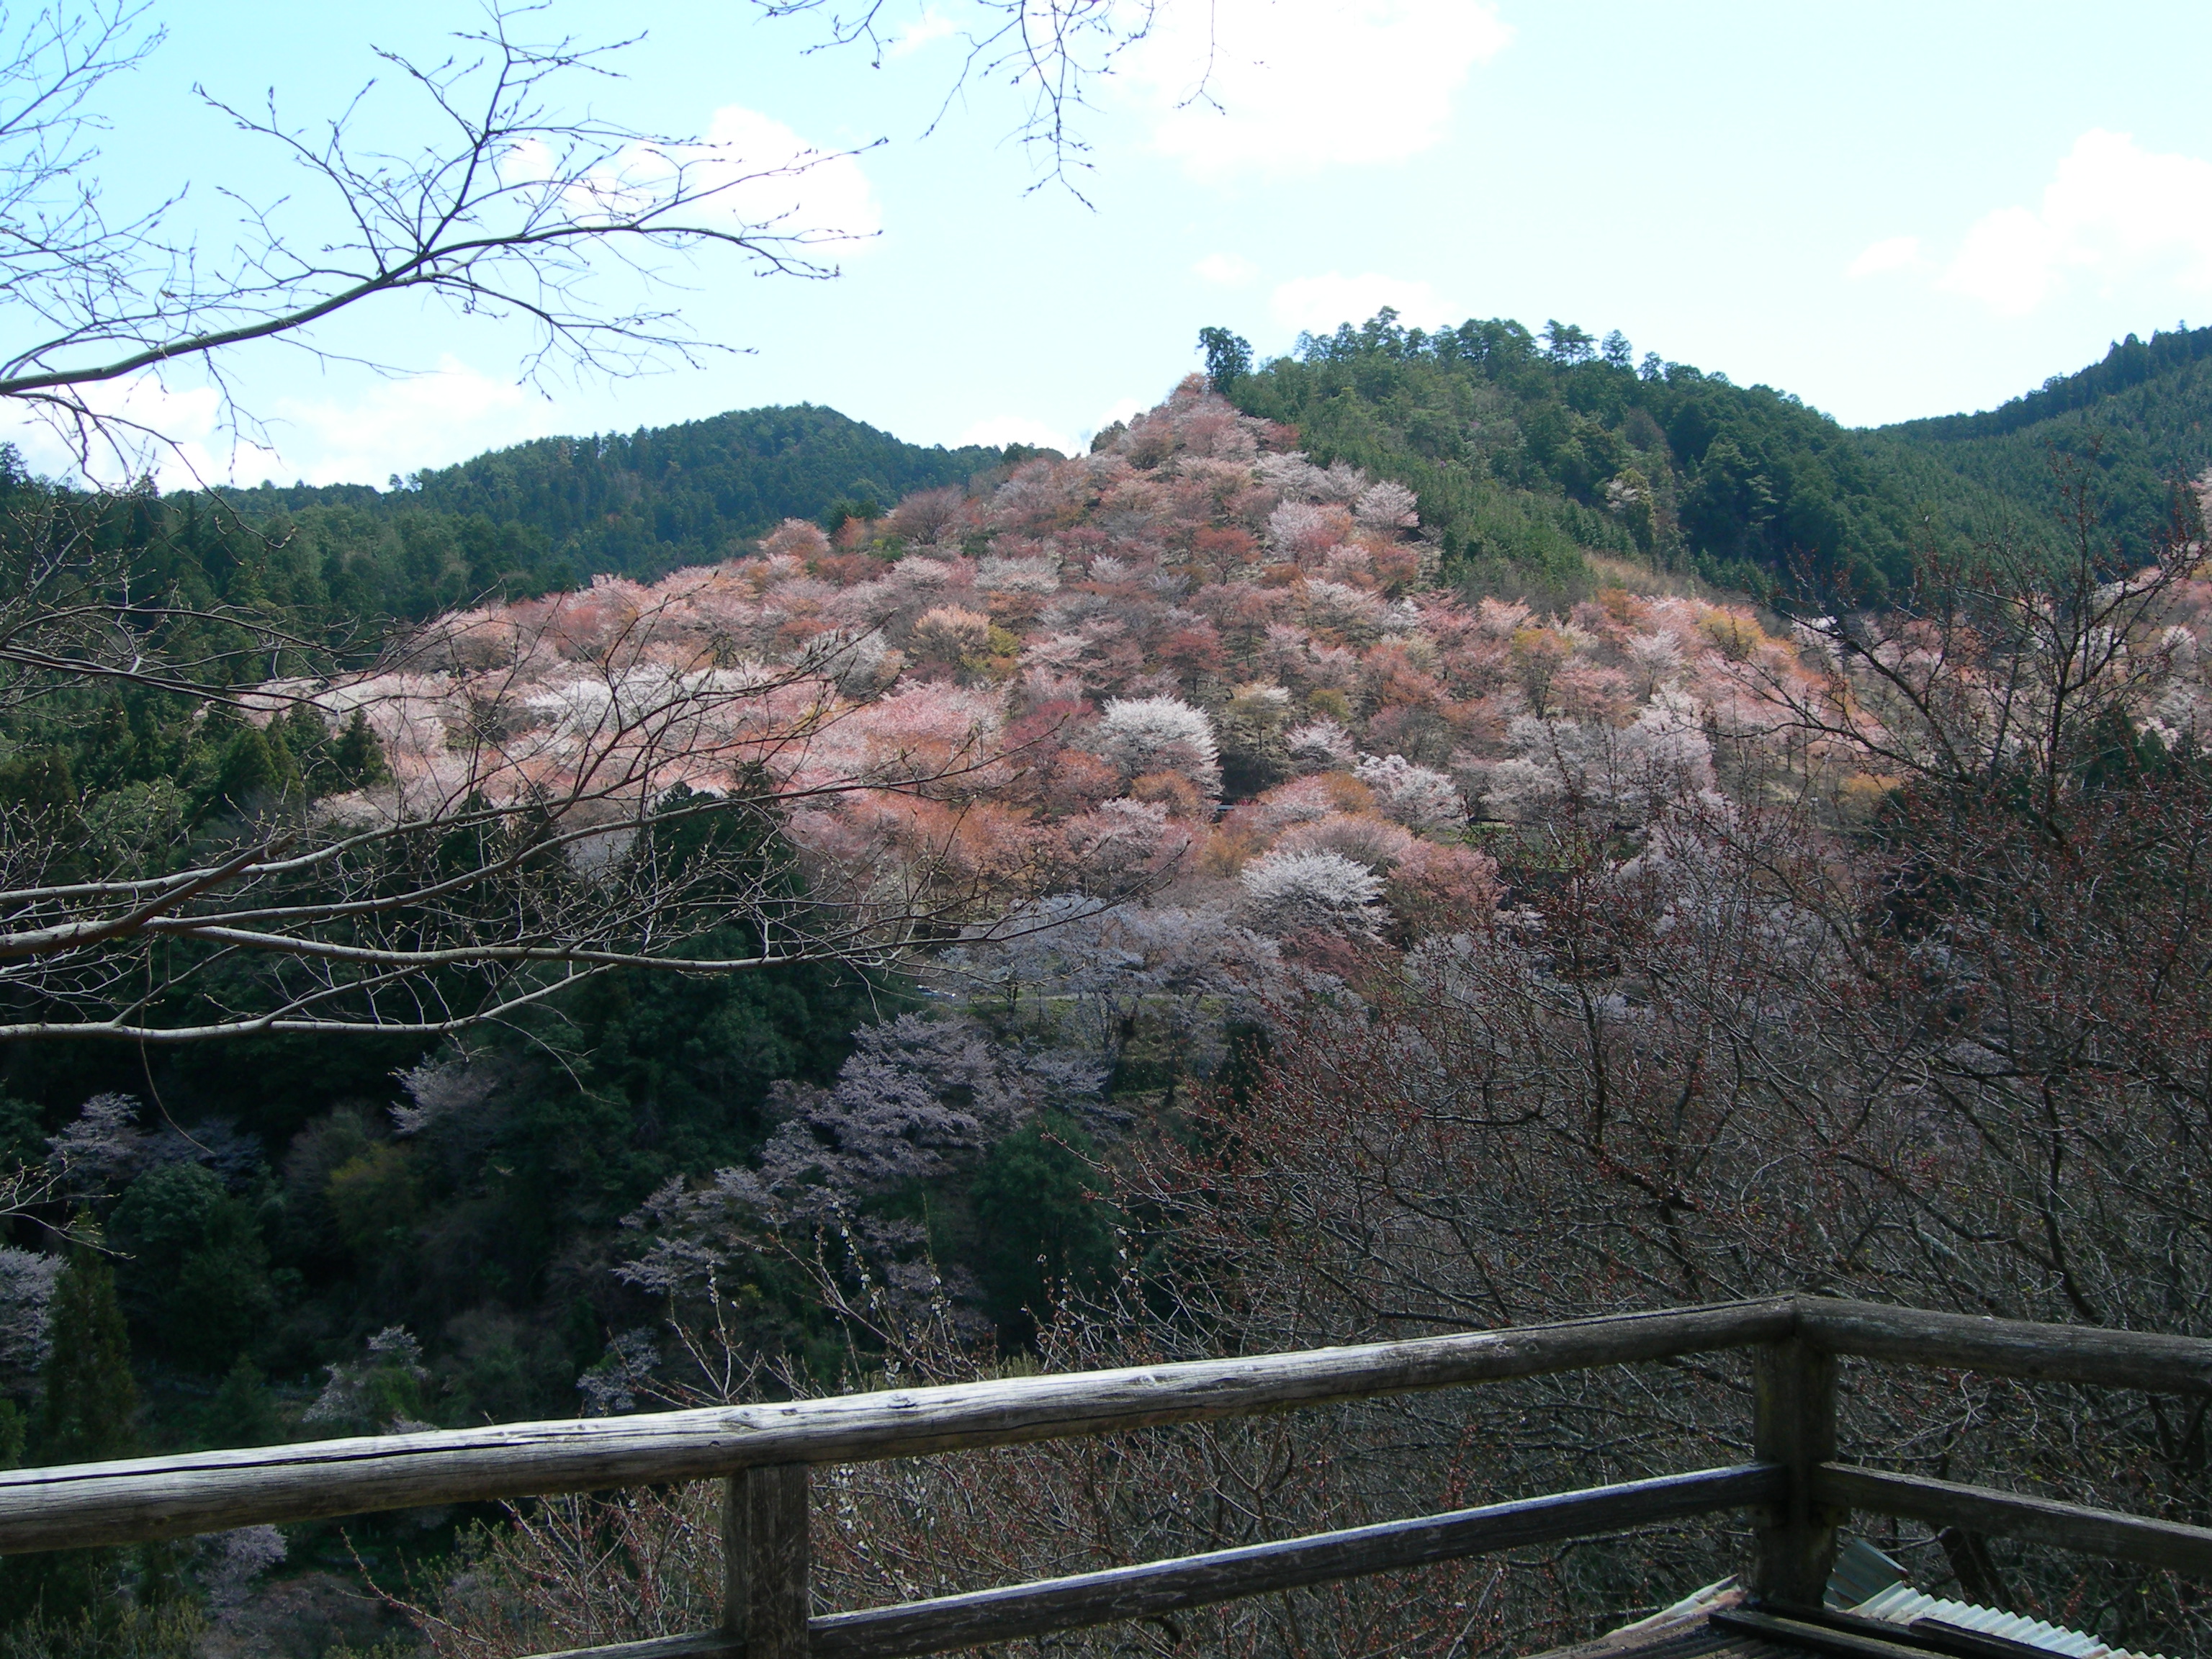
(766, 1561)
(1794, 1426)
(2105, 1533)
(2008, 1348)
(1162, 1586)
(128, 1502)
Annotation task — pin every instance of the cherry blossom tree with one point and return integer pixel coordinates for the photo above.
(1416, 796)
(1142, 735)
(569, 786)
(1287, 891)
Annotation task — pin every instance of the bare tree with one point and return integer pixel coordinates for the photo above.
(543, 794)
(508, 207)
(1049, 53)
(485, 851)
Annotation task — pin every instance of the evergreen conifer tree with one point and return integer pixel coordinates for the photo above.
(243, 1411)
(89, 1414)
(91, 1406)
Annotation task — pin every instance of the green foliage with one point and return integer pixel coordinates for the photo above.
(257, 770)
(90, 1412)
(2130, 428)
(15, 1434)
(1039, 1223)
(22, 1132)
(1524, 454)
(357, 758)
(1228, 357)
(108, 1625)
(243, 1411)
(1525, 451)
(39, 784)
(196, 1274)
(551, 514)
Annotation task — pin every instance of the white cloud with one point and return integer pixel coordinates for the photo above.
(1318, 304)
(2112, 209)
(174, 433)
(749, 173)
(773, 177)
(1891, 253)
(1291, 86)
(402, 426)
(1225, 269)
(999, 430)
(930, 25)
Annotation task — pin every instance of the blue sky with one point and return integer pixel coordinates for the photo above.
(1891, 210)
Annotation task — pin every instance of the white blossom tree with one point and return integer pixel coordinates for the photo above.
(1285, 892)
(1142, 735)
(1418, 797)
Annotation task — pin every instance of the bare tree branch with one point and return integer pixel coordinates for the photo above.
(510, 208)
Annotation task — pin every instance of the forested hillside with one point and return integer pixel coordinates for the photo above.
(2131, 425)
(1525, 448)
(555, 512)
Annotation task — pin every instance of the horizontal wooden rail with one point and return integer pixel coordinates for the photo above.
(1161, 1587)
(2105, 1533)
(93, 1503)
(764, 1449)
(2008, 1348)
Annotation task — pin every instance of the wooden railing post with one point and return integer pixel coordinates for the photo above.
(1795, 1426)
(765, 1560)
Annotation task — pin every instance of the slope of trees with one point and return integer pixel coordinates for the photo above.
(1868, 954)
(1289, 897)
(2136, 421)
(555, 512)
(1525, 447)
(1522, 448)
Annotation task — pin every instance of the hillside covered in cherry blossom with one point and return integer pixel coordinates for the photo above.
(1121, 775)
(1201, 701)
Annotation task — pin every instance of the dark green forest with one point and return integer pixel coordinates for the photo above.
(552, 514)
(1527, 448)
(2130, 425)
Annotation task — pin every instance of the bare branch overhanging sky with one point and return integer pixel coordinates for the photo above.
(1888, 210)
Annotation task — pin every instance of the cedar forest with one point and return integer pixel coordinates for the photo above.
(1422, 760)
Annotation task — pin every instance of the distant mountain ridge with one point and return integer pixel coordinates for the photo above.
(2130, 362)
(556, 512)
(2130, 425)
(1526, 448)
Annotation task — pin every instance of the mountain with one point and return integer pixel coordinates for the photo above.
(1527, 449)
(2130, 426)
(554, 512)
(1195, 664)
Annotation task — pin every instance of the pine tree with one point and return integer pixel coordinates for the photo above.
(91, 1406)
(243, 1411)
(89, 1414)
(357, 756)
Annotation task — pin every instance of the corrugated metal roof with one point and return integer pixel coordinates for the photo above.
(1868, 1582)
(1900, 1604)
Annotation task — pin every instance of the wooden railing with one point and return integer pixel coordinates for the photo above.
(1797, 1489)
